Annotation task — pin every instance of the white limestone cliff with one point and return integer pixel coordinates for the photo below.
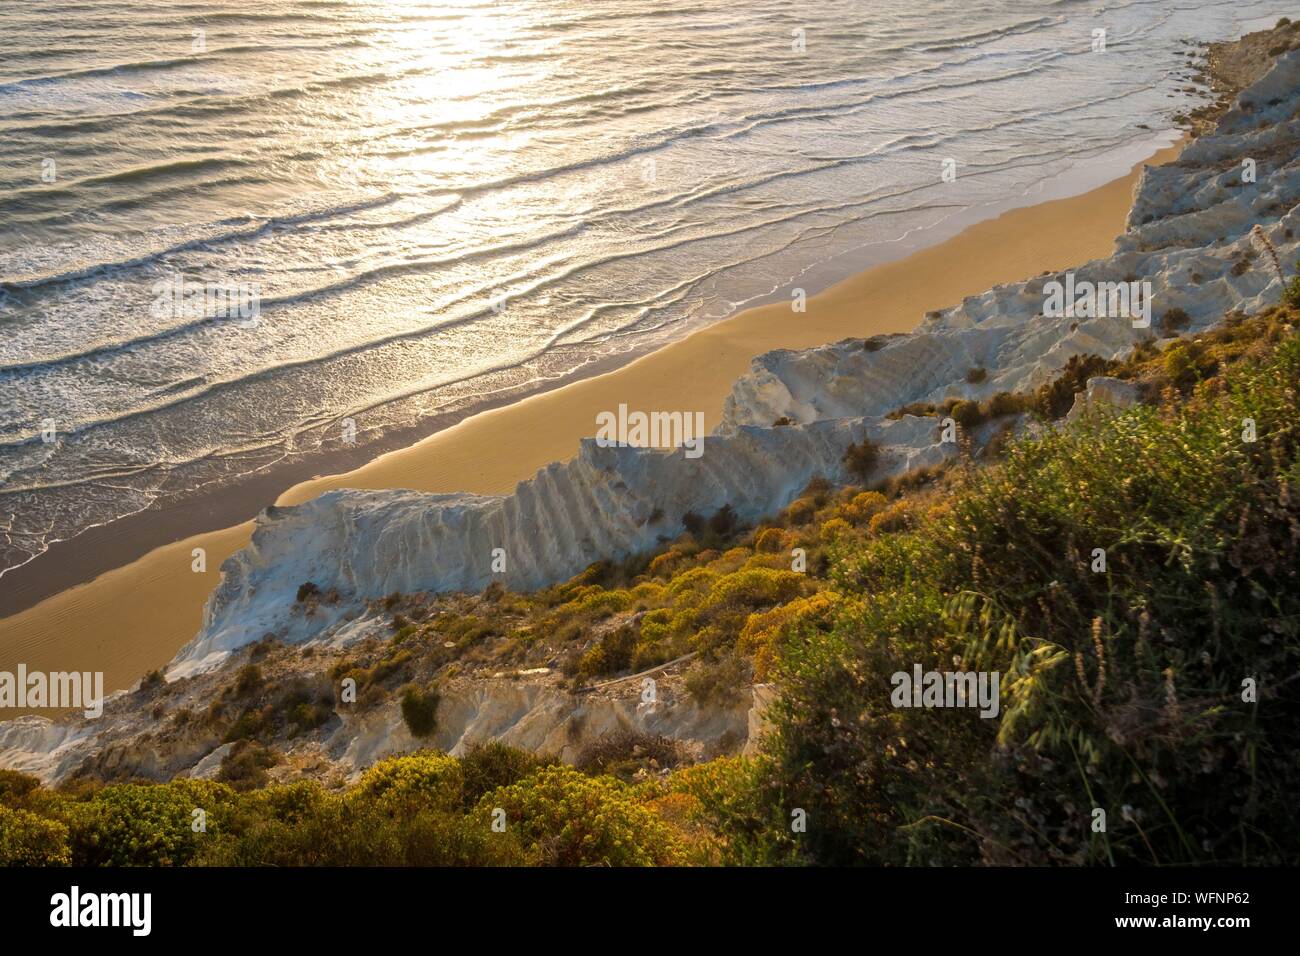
(598, 505)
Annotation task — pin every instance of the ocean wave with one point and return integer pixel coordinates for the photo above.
(962, 41)
(665, 241)
(221, 234)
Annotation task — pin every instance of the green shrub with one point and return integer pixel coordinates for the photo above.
(308, 715)
(420, 710)
(751, 825)
(611, 655)
(1291, 292)
(342, 832)
(248, 680)
(288, 803)
(755, 587)
(1120, 690)
(565, 818)
(718, 682)
(14, 786)
(965, 413)
(1174, 321)
(1004, 403)
(27, 839)
(1185, 364)
(621, 753)
(244, 766)
(247, 725)
(431, 777)
(800, 512)
(650, 655)
(724, 521)
(132, 825)
(1056, 397)
(861, 458)
(487, 766)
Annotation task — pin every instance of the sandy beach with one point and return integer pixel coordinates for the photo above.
(134, 618)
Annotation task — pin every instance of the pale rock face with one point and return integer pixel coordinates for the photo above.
(368, 544)
(1189, 227)
(543, 718)
(49, 749)
(1103, 390)
(540, 715)
(209, 766)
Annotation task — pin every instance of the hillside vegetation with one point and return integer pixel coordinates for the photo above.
(1159, 688)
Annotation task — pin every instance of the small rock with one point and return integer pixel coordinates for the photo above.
(1103, 389)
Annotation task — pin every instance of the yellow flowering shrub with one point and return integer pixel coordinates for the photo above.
(697, 580)
(865, 506)
(597, 601)
(566, 818)
(834, 528)
(764, 630)
(755, 586)
(800, 511)
(776, 562)
(655, 624)
(771, 540)
(650, 591)
(27, 839)
(664, 564)
(897, 517)
(428, 775)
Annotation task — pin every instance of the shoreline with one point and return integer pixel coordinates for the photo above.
(137, 613)
(66, 563)
(101, 548)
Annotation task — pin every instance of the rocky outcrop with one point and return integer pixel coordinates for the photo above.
(1103, 390)
(535, 712)
(547, 719)
(602, 504)
(1189, 234)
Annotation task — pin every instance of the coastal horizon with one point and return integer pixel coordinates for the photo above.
(521, 435)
